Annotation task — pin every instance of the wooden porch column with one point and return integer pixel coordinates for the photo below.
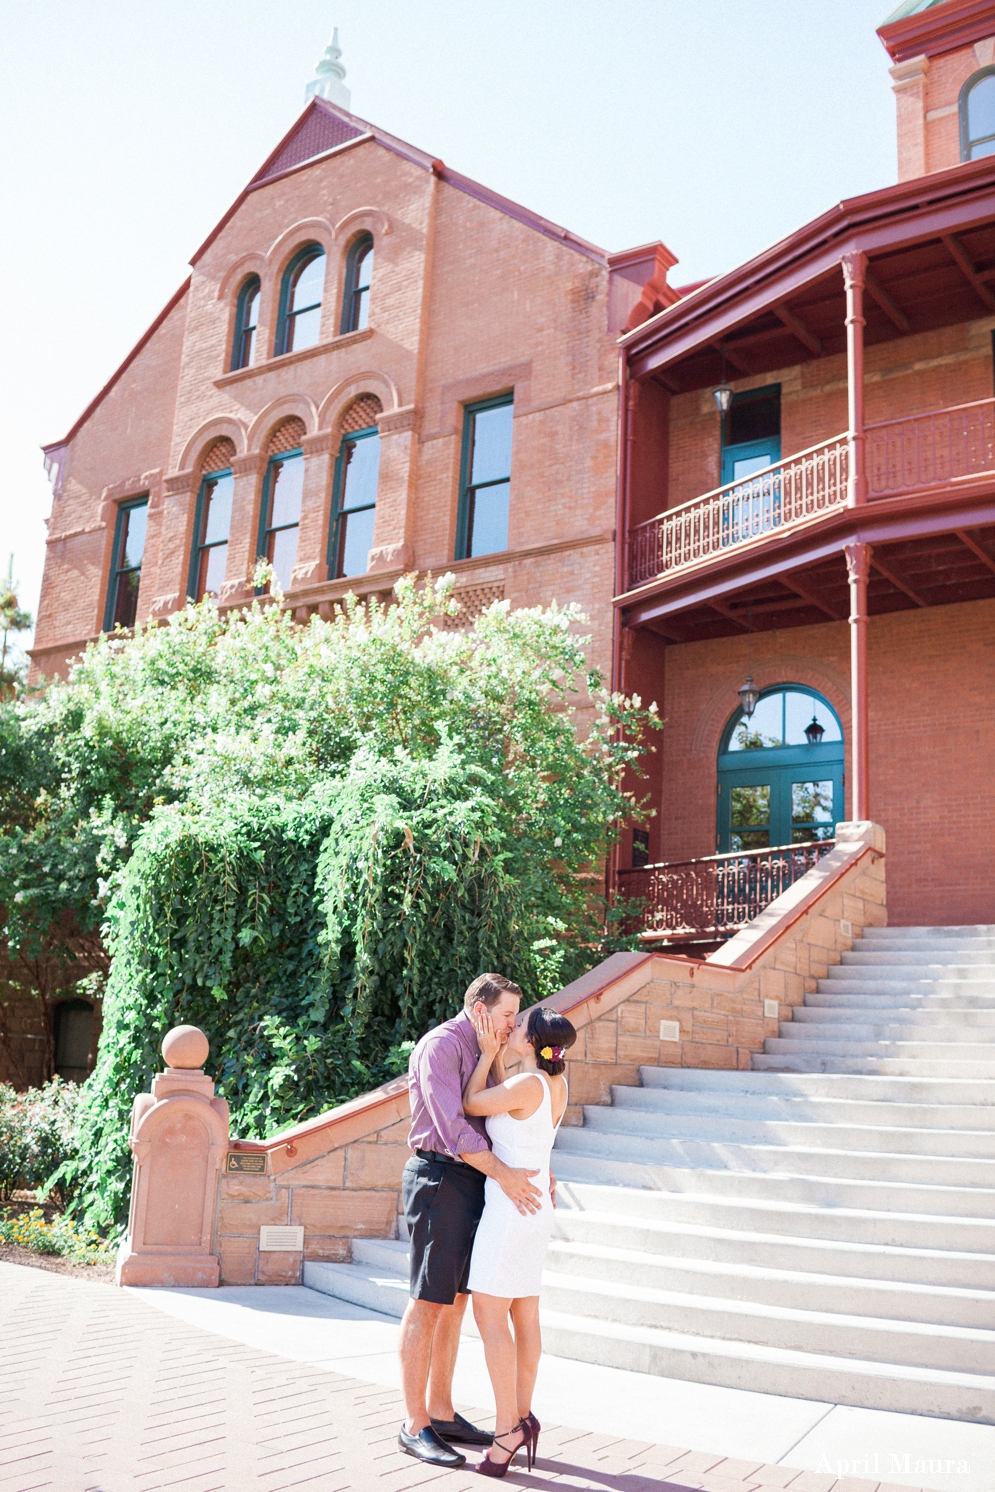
(858, 565)
(854, 272)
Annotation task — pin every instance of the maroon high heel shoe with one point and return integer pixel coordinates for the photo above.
(487, 1467)
(533, 1426)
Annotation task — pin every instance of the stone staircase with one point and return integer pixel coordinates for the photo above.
(822, 1226)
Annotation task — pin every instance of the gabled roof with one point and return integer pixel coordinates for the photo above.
(319, 130)
(324, 127)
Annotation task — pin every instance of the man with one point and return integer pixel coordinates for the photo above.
(442, 1190)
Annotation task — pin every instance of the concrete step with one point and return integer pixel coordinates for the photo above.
(646, 1349)
(734, 1363)
(927, 978)
(946, 1051)
(845, 1113)
(923, 958)
(830, 1178)
(944, 947)
(860, 995)
(869, 1066)
(916, 1088)
(767, 1286)
(866, 1028)
(917, 934)
(973, 1023)
(803, 1134)
(884, 1211)
(911, 1343)
(940, 1305)
(739, 1240)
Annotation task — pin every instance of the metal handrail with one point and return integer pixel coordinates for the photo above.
(781, 495)
(716, 893)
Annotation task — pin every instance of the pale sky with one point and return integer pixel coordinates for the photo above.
(716, 125)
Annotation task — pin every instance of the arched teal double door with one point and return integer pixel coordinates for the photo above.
(780, 772)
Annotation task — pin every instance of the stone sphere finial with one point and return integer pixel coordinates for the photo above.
(185, 1046)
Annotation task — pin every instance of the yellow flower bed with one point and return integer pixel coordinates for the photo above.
(60, 1236)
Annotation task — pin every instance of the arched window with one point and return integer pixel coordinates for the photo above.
(246, 321)
(977, 115)
(780, 772)
(73, 1035)
(283, 489)
(212, 521)
(354, 496)
(299, 321)
(358, 278)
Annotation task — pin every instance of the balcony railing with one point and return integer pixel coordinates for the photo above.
(812, 482)
(926, 449)
(719, 893)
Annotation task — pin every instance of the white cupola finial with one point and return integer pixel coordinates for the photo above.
(328, 74)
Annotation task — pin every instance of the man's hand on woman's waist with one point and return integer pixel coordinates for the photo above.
(514, 1182)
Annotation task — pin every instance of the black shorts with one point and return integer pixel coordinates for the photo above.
(443, 1201)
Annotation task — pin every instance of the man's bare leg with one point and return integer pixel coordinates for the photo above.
(445, 1346)
(415, 1349)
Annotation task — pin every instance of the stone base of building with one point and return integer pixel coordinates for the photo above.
(197, 1270)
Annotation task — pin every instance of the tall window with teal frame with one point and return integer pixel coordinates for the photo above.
(358, 279)
(354, 502)
(977, 115)
(485, 477)
(126, 564)
(299, 320)
(280, 517)
(246, 322)
(211, 524)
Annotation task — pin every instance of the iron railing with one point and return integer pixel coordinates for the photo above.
(718, 893)
(812, 482)
(923, 450)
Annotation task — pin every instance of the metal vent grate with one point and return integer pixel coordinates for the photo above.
(281, 1240)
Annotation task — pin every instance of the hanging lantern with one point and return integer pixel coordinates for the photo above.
(723, 397)
(814, 732)
(749, 695)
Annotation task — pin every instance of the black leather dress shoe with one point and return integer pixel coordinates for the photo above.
(461, 1430)
(426, 1446)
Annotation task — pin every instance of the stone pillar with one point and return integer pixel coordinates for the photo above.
(179, 1138)
(392, 530)
(243, 535)
(311, 564)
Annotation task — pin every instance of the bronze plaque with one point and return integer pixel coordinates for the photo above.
(252, 1165)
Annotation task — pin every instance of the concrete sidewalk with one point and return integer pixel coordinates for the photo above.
(104, 1390)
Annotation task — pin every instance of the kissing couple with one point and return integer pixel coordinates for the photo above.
(478, 1198)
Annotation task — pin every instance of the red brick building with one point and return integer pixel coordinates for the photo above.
(376, 365)
(807, 498)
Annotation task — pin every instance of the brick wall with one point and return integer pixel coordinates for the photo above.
(931, 685)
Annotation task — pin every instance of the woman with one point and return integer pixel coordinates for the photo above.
(523, 1114)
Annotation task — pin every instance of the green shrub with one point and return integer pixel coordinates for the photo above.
(37, 1137)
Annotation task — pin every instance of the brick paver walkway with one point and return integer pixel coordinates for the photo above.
(99, 1392)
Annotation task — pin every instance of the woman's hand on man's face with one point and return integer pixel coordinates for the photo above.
(488, 1040)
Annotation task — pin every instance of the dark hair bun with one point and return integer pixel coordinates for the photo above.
(547, 1030)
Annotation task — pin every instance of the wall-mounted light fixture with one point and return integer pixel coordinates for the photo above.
(723, 394)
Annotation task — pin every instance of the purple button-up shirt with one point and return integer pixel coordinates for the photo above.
(438, 1071)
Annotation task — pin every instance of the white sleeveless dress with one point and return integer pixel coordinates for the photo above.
(509, 1249)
